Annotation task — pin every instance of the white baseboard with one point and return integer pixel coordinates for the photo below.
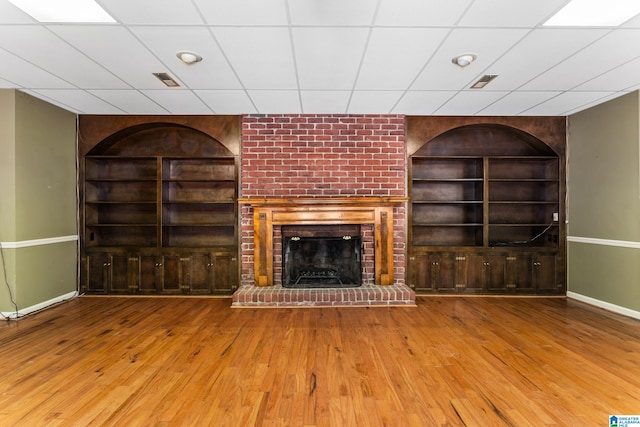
(605, 305)
(24, 311)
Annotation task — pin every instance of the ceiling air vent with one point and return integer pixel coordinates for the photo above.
(483, 81)
(166, 79)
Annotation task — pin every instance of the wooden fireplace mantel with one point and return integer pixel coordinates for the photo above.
(268, 212)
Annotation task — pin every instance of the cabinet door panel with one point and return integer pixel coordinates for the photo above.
(495, 270)
(199, 273)
(545, 273)
(224, 273)
(119, 282)
(148, 283)
(445, 272)
(421, 272)
(98, 273)
(169, 274)
(522, 272)
(475, 271)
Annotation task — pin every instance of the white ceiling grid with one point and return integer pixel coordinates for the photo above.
(320, 56)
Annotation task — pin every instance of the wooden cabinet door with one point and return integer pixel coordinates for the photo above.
(434, 272)
(485, 273)
(148, 273)
(98, 273)
(169, 275)
(198, 271)
(520, 273)
(119, 277)
(545, 273)
(225, 273)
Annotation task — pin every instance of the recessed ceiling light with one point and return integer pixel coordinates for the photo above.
(64, 10)
(483, 81)
(189, 57)
(166, 79)
(595, 13)
(464, 59)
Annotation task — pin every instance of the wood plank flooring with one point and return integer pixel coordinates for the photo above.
(449, 361)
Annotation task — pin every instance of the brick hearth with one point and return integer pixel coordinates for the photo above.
(365, 295)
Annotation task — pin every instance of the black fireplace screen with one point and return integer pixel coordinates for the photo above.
(322, 262)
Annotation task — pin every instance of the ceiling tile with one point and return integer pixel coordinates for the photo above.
(154, 12)
(469, 102)
(395, 56)
(243, 12)
(116, 49)
(321, 102)
(328, 58)
(621, 78)
(77, 101)
(267, 64)
(5, 84)
(332, 12)
(276, 101)
(522, 63)
(130, 101)
(516, 102)
(422, 102)
(44, 49)
(213, 72)
(487, 44)
(178, 101)
(565, 102)
(10, 14)
(24, 74)
(227, 101)
(509, 13)
(612, 50)
(373, 102)
(423, 13)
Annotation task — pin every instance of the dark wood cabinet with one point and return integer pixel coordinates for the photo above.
(491, 196)
(159, 207)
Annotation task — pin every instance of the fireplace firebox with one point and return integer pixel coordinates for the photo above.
(321, 256)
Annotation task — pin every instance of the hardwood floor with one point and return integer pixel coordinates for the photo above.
(197, 362)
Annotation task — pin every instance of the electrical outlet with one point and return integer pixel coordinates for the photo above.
(555, 216)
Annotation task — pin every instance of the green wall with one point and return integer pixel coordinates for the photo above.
(604, 203)
(37, 200)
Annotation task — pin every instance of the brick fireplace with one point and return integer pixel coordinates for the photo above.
(314, 163)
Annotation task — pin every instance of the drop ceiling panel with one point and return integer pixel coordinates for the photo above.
(44, 49)
(488, 44)
(373, 102)
(154, 12)
(9, 14)
(515, 103)
(130, 101)
(261, 57)
(178, 101)
(243, 12)
(469, 102)
(229, 101)
(326, 101)
(78, 101)
(521, 64)
(612, 50)
(23, 74)
(116, 49)
(422, 102)
(420, 13)
(213, 72)
(276, 101)
(624, 77)
(395, 56)
(510, 13)
(332, 12)
(328, 58)
(565, 102)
